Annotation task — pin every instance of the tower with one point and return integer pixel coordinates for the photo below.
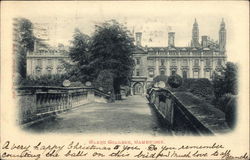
(195, 35)
(222, 36)
(171, 36)
(138, 36)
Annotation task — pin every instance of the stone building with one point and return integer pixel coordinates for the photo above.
(196, 61)
(46, 60)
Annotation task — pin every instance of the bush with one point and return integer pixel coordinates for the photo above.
(44, 80)
(201, 87)
(175, 81)
(226, 82)
(227, 103)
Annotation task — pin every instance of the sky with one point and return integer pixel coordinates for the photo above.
(153, 19)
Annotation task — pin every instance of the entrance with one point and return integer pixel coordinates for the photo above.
(138, 88)
(184, 74)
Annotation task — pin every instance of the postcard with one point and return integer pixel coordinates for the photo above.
(125, 80)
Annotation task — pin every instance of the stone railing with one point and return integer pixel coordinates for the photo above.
(185, 113)
(38, 102)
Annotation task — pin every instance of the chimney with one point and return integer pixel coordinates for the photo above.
(138, 36)
(204, 41)
(171, 39)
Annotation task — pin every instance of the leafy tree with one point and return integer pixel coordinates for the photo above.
(80, 55)
(23, 43)
(112, 47)
(226, 82)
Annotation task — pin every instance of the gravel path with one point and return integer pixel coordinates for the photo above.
(131, 115)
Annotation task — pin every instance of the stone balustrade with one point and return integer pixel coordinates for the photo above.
(187, 114)
(40, 101)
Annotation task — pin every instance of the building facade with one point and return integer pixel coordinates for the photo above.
(46, 61)
(199, 60)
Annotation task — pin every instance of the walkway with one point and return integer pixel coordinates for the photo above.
(131, 115)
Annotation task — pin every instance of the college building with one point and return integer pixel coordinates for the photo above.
(199, 60)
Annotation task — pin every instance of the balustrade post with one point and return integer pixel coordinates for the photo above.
(91, 95)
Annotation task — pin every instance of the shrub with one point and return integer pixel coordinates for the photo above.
(201, 87)
(44, 80)
(226, 82)
(227, 103)
(175, 81)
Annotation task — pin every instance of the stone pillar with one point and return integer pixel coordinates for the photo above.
(178, 71)
(156, 67)
(190, 69)
(168, 67)
(201, 73)
(91, 95)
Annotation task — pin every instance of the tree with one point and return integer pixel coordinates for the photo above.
(226, 82)
(80, 54)
(112, 47)
(23, 43)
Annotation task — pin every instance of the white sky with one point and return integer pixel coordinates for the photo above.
(147, 17)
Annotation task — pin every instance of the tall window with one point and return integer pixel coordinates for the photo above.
(162, 72)
(39, 62)
(196, 74)
(185, 62)
(208, 74)
(151, 62)
(196, 62)
(137, 72)
(219, 62)
(207, 62)
(50, 62)
(173, 72)
(184, 74)
(162, 62)
(138, 61)
(173, 62)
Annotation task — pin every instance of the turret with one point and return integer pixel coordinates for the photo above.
(138, 36)
(195, 35)
(222, 37)
(171, 36)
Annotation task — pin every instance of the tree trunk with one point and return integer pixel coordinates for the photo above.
(117, 88)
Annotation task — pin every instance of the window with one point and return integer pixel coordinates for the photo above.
(196, 74)
(173, 72)
(138, 61)
(39, 62)
(162, 62)
(184, 74)
(137, 72)
(207, 62)
(50, 62)
(151, 62)
(219, 62)
(38, 72)
(207, 74)
(185, 62)
(60, 61)
(173, 62)
(196, 62)
(162, 72)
